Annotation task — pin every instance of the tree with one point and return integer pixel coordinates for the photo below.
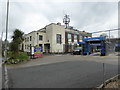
(17, 39)
(15, 54)
(18, 36)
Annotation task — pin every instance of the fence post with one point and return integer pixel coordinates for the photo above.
(103, 74)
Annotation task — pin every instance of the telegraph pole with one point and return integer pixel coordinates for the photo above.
(1, 35)
(0, 50)
(6, 30)
(5, 85)
(109, 36)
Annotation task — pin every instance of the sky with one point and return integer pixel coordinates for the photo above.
(32, 15)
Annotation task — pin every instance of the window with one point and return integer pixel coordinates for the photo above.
(30, 38)
(69, 37)
(75, 37)
(30, 47)
(80, 37)
(40, 37)
(27, 39)
(25, 46)
(58, 38)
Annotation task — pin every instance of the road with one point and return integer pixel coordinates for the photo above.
(84, 72)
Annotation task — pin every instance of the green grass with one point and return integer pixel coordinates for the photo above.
(22, 56)
(17, 56)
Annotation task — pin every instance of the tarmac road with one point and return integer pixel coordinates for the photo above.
(68, 74)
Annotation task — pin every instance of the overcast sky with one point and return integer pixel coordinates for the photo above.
(30, 15)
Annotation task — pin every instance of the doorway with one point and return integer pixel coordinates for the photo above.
(47, 48)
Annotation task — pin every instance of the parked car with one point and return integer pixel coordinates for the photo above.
(97, 50)
(77, 51)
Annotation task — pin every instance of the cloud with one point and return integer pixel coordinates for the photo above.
(110, 23)
(33, 14)
(34, 22)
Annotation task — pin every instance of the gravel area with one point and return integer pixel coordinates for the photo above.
(114, 84)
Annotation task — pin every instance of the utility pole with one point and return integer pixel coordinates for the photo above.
(1, 35)
(5, 85)
(109, 36)
(6, 30)
(1, 52)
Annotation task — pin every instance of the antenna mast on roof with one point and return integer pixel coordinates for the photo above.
(66, 20)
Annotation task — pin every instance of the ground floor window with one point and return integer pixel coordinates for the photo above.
(58, 38)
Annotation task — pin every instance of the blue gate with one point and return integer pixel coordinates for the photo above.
(98, 41)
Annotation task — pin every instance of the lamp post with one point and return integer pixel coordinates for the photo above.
(109, 36)
(6, 30)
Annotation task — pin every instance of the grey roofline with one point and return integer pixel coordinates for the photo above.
(58, 25)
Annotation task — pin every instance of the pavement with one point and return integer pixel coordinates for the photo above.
(62, 71)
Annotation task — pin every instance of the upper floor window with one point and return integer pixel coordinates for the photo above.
(30, 38)
(80, 37)
(40, 37)
(69, 37)
(58, 38)
(75, 37)
(27, 39)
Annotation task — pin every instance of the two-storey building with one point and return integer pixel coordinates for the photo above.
(54, 38)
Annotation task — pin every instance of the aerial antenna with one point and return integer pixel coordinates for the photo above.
(66, 20)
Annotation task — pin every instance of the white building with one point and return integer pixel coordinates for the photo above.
(54, 38)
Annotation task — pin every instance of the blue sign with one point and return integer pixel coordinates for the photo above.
(117, 45)
(37, 49)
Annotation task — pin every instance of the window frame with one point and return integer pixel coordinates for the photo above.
(58, 38)
(40, 39)
(75, 37)
(69, 36)
(30, 38)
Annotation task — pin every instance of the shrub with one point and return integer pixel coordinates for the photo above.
(22, 56)
(17, 57)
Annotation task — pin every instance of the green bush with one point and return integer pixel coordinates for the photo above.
(17, 57)
(22, 56)
(9, 54)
